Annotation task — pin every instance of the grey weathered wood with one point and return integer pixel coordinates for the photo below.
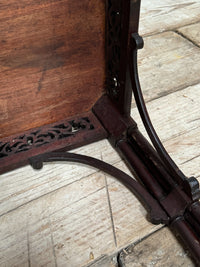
(69, 227)
(174, 114)
(127, 214)
(25, 184)
(158, 16)
(160, 249)
(167, 63)
(191, 32)
(105, 261)
(67, 215)
(129, 217)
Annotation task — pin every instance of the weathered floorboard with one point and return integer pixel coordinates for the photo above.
(191, 32)
(178, 127)
(158, 16)
(163, 56)
(152, 252)
(25, 184)
(128, 215)
(69, 227)
(62, 215)
(174, 114)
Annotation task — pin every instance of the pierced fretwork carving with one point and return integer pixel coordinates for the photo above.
(43, 136)
(117, 41)
(113, 46)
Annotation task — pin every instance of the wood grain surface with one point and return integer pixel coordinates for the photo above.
(152, 252)
(70, 215)
(158, 16)
(192, 33)
(51, 61)
(163, 56)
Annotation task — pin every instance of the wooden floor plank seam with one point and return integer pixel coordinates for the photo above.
(49, 193)
(187, 38)
(166, 93)
(172, 29)
(190, 159)
(53, 243)
(115, 199)
(110, 210)
(180, 134)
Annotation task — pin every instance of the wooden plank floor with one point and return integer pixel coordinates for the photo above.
(69, 215)
(149, 253)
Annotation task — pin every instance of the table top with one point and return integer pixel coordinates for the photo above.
(69, 215)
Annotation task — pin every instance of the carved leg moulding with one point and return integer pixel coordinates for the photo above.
(67, 81)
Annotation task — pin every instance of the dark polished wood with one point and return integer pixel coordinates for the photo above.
(52, 61)
(65, 82)
(64, 135)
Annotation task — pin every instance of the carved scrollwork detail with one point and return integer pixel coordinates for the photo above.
(43, 136)
(113, 46)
